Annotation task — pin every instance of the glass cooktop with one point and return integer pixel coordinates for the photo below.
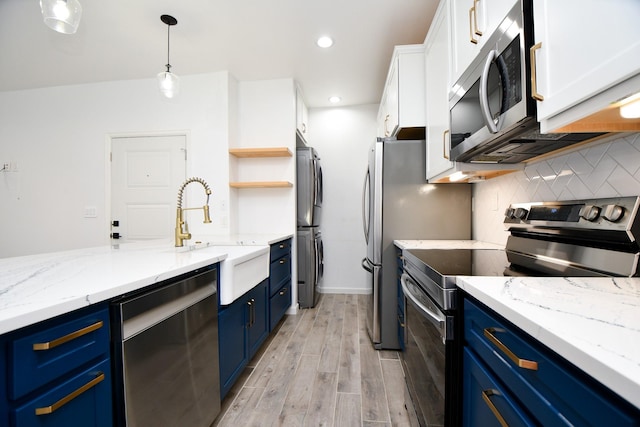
(462, 262)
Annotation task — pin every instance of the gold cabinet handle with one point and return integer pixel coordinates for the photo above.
(68, 398)
(534, 80)
(476, 30)
(386, 120)
(486, 396)
(283, 291)
(472, 13)
(58, 341)
(281, 245)
(283, 260)
(400, 322)
(445, 153)
(522, 363)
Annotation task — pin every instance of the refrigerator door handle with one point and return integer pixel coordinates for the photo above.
(365, 224)
(367, 265)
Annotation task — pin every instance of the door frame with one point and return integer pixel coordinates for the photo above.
(107, 157)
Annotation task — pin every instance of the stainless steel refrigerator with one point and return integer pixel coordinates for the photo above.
(399, 204)
(309, 238)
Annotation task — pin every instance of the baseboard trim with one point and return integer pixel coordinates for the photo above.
(359, 291)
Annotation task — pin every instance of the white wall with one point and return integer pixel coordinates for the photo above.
(607, 169)
(266, 118)
(342, 137)
(59, 136)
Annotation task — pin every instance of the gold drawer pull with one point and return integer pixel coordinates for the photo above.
(486, 396)
(68, 398)
(283, 260)
(281, 245)
(73, 335)
(400, 322)
(522, 363)
(472, 13)
(283, 291)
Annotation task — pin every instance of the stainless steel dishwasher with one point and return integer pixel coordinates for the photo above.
(167, 353)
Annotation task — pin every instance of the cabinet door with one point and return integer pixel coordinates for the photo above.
(82, 400)
(437, 88)
(232, 338)
(472, 23)
(389, 105)
(585, 47)
(258, 316)
(486, 402)
(302, 114)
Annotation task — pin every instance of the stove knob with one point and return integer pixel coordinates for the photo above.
(590, 212)
(509, 213)
(613, 213)
(520, 213)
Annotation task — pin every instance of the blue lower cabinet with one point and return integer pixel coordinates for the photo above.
(279, 281)
(278, 305)
(82, 400)
(242, 328)
(552, 391)
(58, 373)
(486, 403)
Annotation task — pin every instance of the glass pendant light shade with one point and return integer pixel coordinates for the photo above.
(62, 16)
(169, 84)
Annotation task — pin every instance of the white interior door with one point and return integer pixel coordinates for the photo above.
(146, 173)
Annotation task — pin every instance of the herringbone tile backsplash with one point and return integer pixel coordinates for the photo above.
(606, 169)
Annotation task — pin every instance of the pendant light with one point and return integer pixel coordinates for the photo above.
(169, 82)
(62, 16)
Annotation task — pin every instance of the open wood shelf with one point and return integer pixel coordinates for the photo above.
(261, 152)
(261, 184)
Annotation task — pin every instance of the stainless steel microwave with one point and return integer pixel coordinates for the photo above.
(492, 113)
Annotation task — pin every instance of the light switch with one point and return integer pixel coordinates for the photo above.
(90, 212)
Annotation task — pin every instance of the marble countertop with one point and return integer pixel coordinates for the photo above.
(594, 323)
(38, 287)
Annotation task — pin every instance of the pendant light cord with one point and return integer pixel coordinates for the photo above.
(168, 48)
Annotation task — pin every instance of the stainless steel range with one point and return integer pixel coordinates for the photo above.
(592, 238)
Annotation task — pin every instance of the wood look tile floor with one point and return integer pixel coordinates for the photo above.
(320, 369)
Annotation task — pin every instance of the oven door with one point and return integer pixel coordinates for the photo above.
(430, 358)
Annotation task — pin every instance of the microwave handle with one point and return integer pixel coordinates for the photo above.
(483, 94)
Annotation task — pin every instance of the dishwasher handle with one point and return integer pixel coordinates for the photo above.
(154, 315)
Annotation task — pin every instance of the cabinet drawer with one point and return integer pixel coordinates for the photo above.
(56, 349)
(279, 303)
(279, 272)
(280, 249)
(82, 400)
(486, 400)
(549, 387)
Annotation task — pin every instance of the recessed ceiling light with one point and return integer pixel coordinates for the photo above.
(334, 99)
(325, 41)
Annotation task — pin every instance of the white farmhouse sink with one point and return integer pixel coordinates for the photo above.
(243, 269)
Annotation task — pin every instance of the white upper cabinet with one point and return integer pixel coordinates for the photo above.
(587, 55)
(302, 115)
(437, 92)
(402, 107)
(472, 23)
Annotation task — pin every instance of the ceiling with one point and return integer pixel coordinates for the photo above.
(252, 39)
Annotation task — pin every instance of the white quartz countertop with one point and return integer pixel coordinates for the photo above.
(594, 323)
(38, 287)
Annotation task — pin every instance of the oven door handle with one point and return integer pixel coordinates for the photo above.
(437, 319)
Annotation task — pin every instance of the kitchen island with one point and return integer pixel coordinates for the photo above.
(38, 287)
(593, 323)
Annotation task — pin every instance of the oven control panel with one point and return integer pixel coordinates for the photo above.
(615, 214)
